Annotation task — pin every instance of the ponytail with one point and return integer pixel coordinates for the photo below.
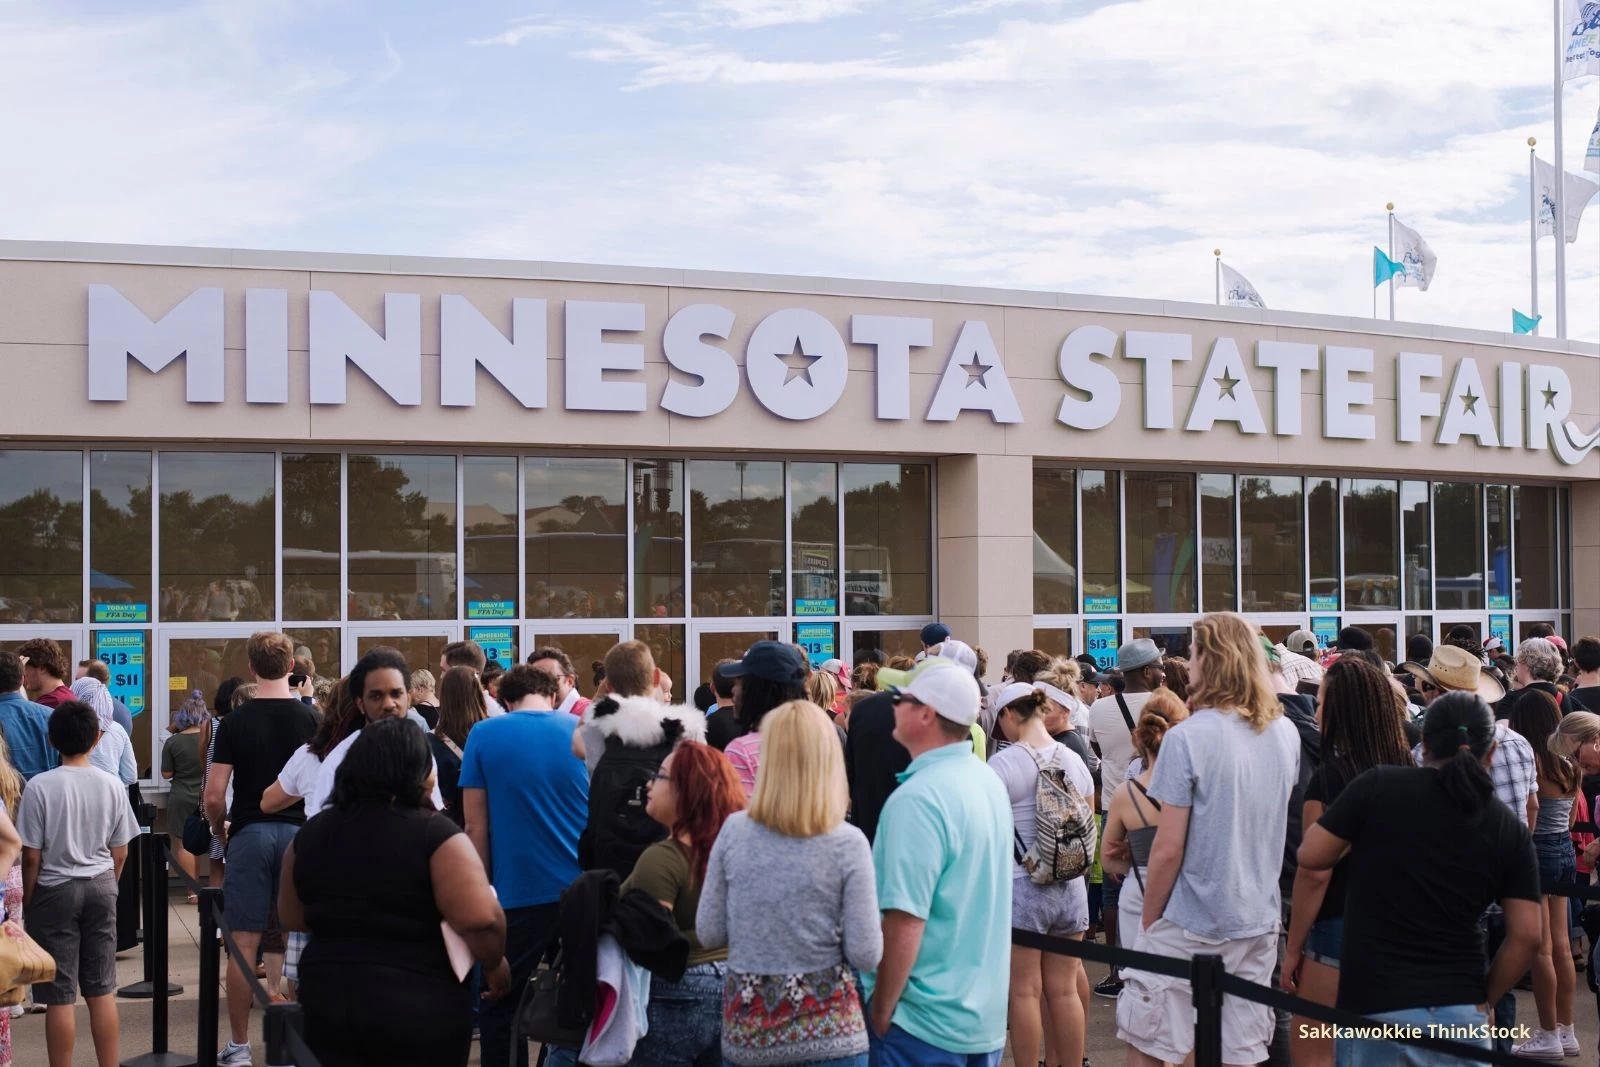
(1458, 733)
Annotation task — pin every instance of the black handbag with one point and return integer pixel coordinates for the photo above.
(537, 1019)
(196, 834)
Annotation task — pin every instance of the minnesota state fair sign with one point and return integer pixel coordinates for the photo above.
(1436, 401)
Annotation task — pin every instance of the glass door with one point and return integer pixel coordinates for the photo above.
(720, 640)
(1174, 636)
(69, 638)
(420, 643)
(1387, 631)
(883, 639)
(192, 659)
(1477, 622)
(586, 648)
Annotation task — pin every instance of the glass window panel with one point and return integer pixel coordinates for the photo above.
(576, 523)
(736, 507)
(119, 536)
(1055, 541)
(218, 544)
(1218, 547)
(1538, 553)
(587, 652)
(127, 656)
(311, 536)
(1161, 542)
(325, 645)
(1497, 504)
(1472, 629)
(1420, 624)
(1416, 534)
(658, 539)
(202, 663)
(1458, 557)
(1171, 640)
(666, 645)
(888, 536)
(41, 527)
(1101, 500)
(884, 644)
(814, 530)
(720, 645)
(420, 650)
(1322, 533)
(1054, 642)
(402, 539)
(489, 537)
(1371, 546)
(1272, 544)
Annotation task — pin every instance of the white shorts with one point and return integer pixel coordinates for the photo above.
(1155, 1014)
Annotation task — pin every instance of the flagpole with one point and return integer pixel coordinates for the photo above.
(1218, 253)
(1561, 182)
(1391, 256)
(1533, 228)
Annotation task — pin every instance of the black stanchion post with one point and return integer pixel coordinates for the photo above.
(210, 977)
(281, 1018)
(1205, 976)
(156, 962)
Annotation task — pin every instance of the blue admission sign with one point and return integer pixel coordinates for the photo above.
(499, 643)
(1101, 637)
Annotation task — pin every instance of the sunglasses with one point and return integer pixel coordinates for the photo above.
(906, 698)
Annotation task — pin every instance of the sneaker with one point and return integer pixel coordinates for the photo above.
(1111, 988)
(1543, 1045)
(1569, 1040)
(233, 1055)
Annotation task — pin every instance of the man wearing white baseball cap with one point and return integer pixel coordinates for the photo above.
(943, 861)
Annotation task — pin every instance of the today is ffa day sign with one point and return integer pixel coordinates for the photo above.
(1534, 400)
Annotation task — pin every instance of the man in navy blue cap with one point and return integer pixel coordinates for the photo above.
(771, 673)
(934, 634)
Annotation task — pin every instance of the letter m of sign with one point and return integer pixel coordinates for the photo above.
(118, 332)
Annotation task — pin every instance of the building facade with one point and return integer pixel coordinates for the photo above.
(370, 450)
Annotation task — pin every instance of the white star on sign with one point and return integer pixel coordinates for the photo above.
(799, 364)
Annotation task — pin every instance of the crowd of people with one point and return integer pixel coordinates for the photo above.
(824, 864)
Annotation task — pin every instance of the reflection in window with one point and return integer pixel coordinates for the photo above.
(1218, 549)
(1415, 524)
(218, 548)
(41, 527)
(736, 522)
(326, 646)
(1054, 642)
(1055, 541)
(1458, 557)
(311, 536)
(658, 539)
(1534, 508)
(1272, 544)
(587, 652)
(489, 537)
(402, 539)
(881, 646)
(888, 528)
(576, 525)
(1102, 542)
(666, 645)
(1161, 546)
(119, 536)
(1371, 546)
(1322, 536)
(814, 527)
(1497, 505)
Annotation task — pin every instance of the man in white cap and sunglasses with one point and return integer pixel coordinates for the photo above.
(943, 862)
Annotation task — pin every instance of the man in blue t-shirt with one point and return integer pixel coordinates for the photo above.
(526, 801)
(24, 724)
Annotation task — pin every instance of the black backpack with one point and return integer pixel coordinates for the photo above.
(618, 829)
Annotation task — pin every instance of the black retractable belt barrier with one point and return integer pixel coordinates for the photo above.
(1210, 982)
(156, 986)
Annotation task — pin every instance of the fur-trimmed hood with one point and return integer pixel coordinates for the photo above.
(640, 722)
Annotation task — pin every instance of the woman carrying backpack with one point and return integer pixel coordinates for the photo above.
(1060, 908)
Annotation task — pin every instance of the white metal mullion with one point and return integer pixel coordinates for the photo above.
(1238, 543)
(1199, 540)
(277, 537)
(1077, 556)
(155, 538)
(1305, 543)
(788, 550)
(347, 636)
(691, 643)
(524, 643)
(86, 613)
(845, 640)
(629, 475)
(461, 543)
(1122, 539)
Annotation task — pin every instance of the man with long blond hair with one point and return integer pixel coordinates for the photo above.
(1223, 783)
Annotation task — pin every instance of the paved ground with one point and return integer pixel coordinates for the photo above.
(29, 1046)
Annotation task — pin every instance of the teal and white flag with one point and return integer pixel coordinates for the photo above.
(1582, 45)
(1383, 268)
(1579, 191)
(1237, 292)
(1521, 323)
(1591, 158)
(1416, 259)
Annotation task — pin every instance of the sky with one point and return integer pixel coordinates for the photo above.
(1066, 145)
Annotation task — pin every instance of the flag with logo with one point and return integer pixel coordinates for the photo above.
(1581, 50)
(1383, 268)
(1591, 158)
(1521, 323)
(1579, 191)
(1237, 292)
(1417, 261)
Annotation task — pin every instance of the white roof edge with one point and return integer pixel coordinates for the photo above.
(439, 266)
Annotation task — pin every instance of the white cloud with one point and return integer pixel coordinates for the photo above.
(757, 14)
(517, 33)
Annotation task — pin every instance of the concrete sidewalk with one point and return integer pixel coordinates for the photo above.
(28, 1043)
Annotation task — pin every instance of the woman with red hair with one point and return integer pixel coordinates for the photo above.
(693, 793)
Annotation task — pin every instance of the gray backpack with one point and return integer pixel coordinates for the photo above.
(1065, 830)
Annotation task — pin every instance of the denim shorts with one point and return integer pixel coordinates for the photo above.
(685, 1020)
(1325, 940)
(1557, 861)
(250, 880)
(1349, 1052)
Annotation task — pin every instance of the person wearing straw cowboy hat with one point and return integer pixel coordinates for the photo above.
(1454, 670)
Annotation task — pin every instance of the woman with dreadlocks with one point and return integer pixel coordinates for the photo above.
(1361, 715)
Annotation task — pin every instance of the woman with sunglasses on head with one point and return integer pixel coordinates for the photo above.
(692, 795)
(790, 890)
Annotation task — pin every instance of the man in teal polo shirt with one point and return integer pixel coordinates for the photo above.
(943, 860)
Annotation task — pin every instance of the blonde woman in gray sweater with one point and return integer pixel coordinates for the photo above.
(790, 890)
